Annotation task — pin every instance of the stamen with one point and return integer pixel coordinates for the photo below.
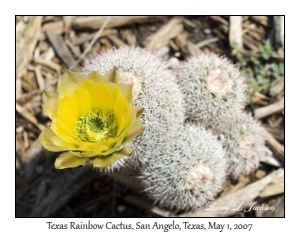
(95, 126)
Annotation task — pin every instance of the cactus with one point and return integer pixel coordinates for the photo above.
(154, 88)
(127, 176)
(245, 145)
(190, 170)
(214, 90)
(214, 98)
(177, 160)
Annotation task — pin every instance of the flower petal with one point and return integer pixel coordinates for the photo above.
(95, 76)
(70, 76)
(126, 90)
(68, 160)
(127, 121)
(115, 89)
(110, 151)
(67, 89)
(51, 106)
(102, 95)
(126, 151)
(67, 117)
(136, 128)
(113, 76)
(106, 161)
(52, 142)
(79, 102)
(69, 82)
(89, 147)
(84, 154)
(57, 141)
(121, 110)
(62, 130)
(48, 94)
(139, 112)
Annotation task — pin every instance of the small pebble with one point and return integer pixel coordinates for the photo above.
(207, 31)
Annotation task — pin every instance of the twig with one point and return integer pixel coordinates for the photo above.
(39, 78)
(274, 188)
(88, 48)
(279, 30)
(56, 27)
(236, 32)
(279, 149)
(60, 48)
(277, 86)
(263, 20)
(73, 49)
(118, 42)
(25, 43)
(206, 42)
(87, 37)
(50, 64)
(18, 88)
(273, 129)
(193, 49)
(269, 110)
(271, 161)
(164, 34)
(219, 19)
(68, 23)
(28, 116)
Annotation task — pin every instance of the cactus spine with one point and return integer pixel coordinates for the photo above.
(213, 90)
(245, 145)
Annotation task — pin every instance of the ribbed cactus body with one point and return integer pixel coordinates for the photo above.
(245, 145)
(154, 88)
(189, 170)
(214, 90)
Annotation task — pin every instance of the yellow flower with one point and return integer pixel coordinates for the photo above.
(92, 119)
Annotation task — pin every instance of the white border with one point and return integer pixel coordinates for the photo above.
(212, 7)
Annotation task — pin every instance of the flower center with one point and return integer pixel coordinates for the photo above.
(95, 126)
(219, 83)
(132, 78)
(198, 177)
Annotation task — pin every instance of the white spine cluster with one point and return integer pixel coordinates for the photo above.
(245, 145)
(154, 88)
(189, 170)
(214, 90)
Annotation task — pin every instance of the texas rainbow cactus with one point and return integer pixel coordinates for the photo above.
(179, 135)
(214, 90)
